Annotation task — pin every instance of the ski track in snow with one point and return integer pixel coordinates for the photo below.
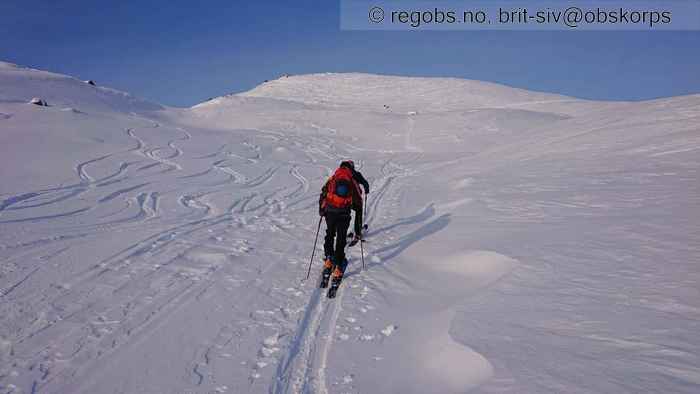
(109, 273)
(303, 368)
(163, 238)
(127, 274)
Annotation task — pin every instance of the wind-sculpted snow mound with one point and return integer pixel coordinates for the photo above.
(422, 318)
(21, 84)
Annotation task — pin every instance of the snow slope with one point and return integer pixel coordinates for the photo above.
(20, 84)
(518, 242)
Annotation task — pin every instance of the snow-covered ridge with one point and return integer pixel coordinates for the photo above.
(20, 84)
(408, 95)
(369, 90)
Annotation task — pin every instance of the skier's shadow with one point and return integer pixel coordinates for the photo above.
(421, 216)
(404, 242)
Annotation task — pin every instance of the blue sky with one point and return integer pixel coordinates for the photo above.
(182, 52)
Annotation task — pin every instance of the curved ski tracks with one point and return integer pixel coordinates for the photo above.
(303, 368)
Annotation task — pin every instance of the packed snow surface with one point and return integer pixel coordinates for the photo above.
(518, 242)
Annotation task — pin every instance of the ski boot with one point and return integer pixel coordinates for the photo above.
(337, 278)
(326, 274)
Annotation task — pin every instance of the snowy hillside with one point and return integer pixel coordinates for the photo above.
(20, 84)
(518, 242)
(430, 94)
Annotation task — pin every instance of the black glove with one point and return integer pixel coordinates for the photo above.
(366, 189)
(321, 211)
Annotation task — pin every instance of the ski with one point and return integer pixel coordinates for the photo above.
(336, 281)
(325, 277)
(354, 240)
(351, 234)
(333, 289)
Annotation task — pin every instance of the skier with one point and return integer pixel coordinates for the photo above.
(339, 196)
(357, 176)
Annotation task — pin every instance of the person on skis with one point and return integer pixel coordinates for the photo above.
(339, 196)
(357, 176)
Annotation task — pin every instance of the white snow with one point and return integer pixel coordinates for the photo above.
(270, 341)
(518, 242)
(388, 330)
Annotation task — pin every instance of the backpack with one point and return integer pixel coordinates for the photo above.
(339, 192)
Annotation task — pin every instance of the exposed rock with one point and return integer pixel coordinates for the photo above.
(39, 102)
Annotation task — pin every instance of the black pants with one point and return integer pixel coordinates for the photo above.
(337, 224)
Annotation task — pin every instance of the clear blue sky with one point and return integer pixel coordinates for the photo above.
(182, 52)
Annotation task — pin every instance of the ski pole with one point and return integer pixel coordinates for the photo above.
(364, 208)
(314, 250)
(362, 241)
(364, 202)
(362, 251)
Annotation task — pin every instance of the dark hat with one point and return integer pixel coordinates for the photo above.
(348, 163)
